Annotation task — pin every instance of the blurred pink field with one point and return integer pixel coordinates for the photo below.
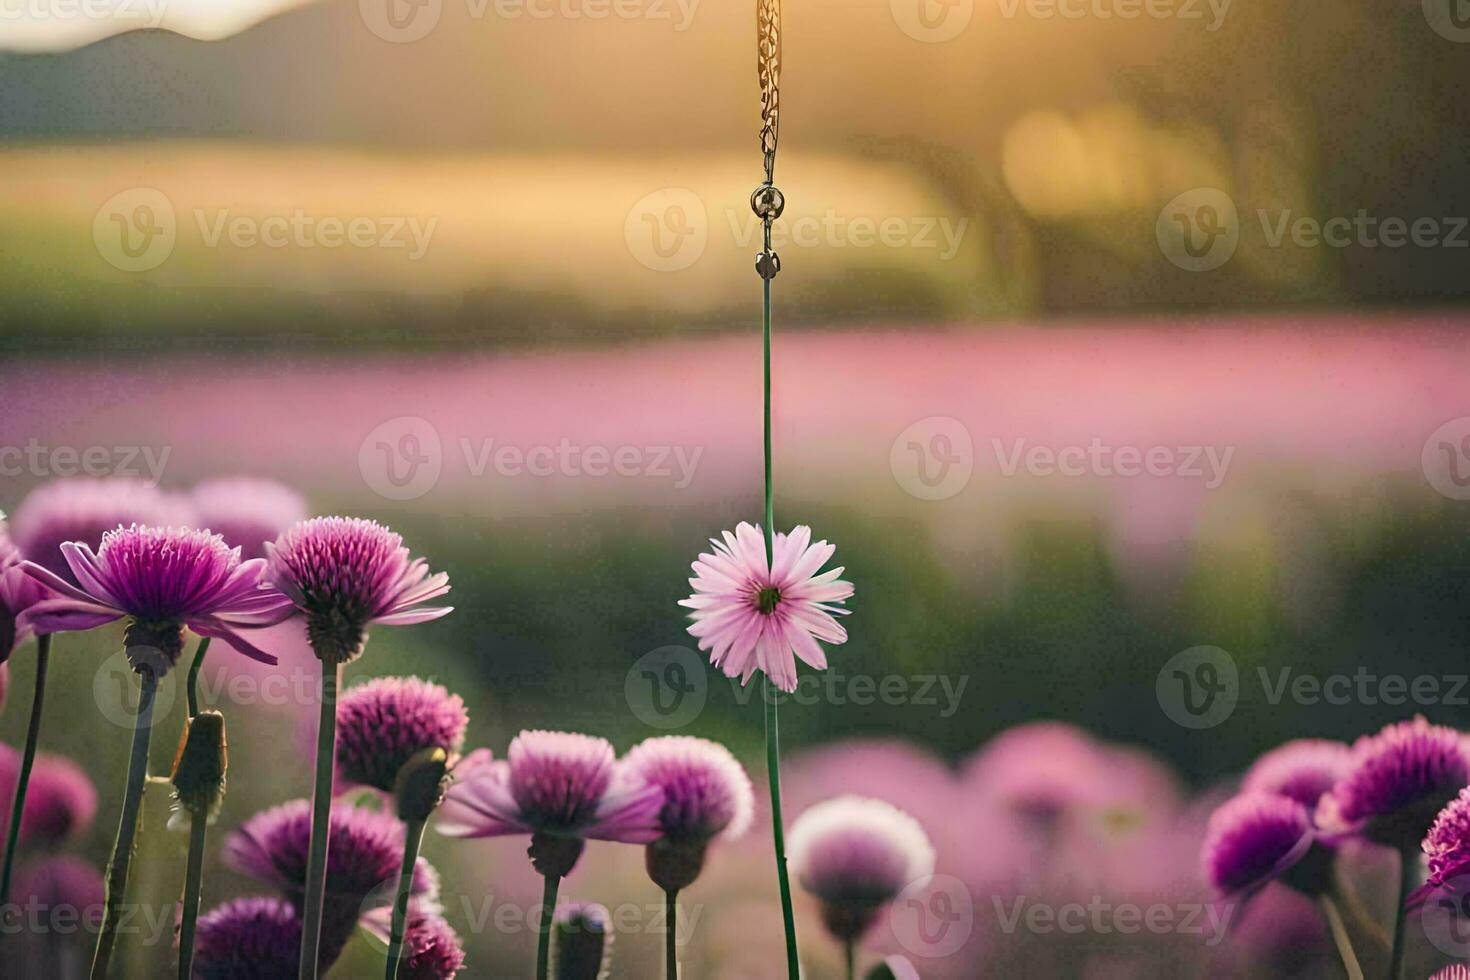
(1331, 398)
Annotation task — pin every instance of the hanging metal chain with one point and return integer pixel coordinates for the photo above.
(767, 200)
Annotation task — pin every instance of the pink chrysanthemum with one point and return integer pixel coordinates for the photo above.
(1447, 845)
(161, 579)
(346, 574)
(1303, 769)
(248, 939)
(1397, 783)
(85, 509)
(247, 511)
(387, 721)
(557, 785)
(61, 801)
(432, 950)
(856, 855)
(1253, 839)
(753, 615)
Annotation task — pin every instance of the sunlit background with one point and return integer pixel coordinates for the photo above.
(361, 247)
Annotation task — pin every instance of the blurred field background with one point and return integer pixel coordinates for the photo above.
(588, 279)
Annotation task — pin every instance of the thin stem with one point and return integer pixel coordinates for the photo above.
(1396, 962)
(1340, 936)
(193, 884)
(413, 838)
(849, 949)
(321, 821)
(770, 521)
(671, 922)
(543, 928)
(33, 737)
(778, 832)
(127, 826)
(191, 687)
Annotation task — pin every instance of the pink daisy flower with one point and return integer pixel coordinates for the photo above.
(752, 615)
(161, 579)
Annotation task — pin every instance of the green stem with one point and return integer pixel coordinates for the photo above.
(849, 948)
(33, 737)
(671, 920)
(193, 885)
(413, 838)
(321, 821)
(1340, 936)
(543, 928)
(1396, 961)
(191, 689)
(127, 826)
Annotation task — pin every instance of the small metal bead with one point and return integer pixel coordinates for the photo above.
(767, 202)
(767, 264)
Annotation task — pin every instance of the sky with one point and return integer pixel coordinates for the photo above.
(59, 25)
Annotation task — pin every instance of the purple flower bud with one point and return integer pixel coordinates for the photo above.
(387, 721)
(581, 941)
(1253, 839)
(248, 939)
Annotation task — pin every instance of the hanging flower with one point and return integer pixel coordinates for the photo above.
(246, 511)
(1303, 769)
(706, 794)
(345, 574)
(161, 579)
(1398, 782)
(248, 939)
(1256, 838)
(85, 509)
(385, 722)
(560, 787)
(856, 855)
(753, 615)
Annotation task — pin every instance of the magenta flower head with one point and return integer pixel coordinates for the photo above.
(706, 794)
(385, 722)
(345, 574)
(1256, 838)
(753, 615)
(1455, 971)
(432, 950)
(562, 788)
(1397, 783)
(60, 800)
(581, 945)
(18, 593)
(364, 854)
(1447, 845)
(161, 579)
(856, 855)
(61, 882)
(248, 939)
(247, 511)
(83, 510)
(1303, 769)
